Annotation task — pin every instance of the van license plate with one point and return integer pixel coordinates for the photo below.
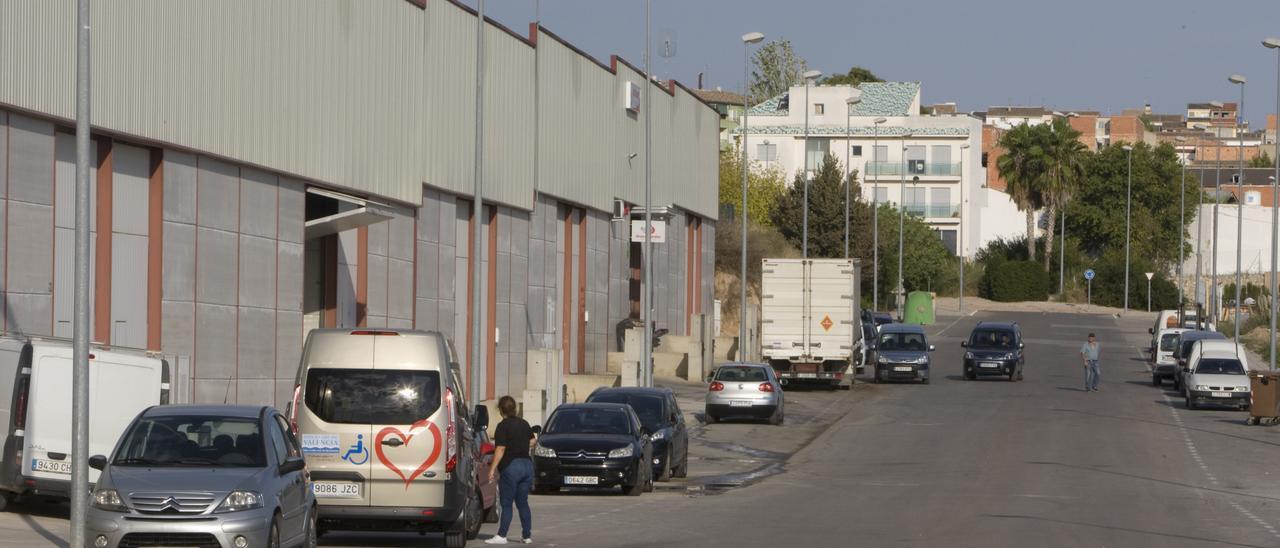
(51, 466)
(581, 480)
(989, 365)
(1222, 394)
(807, 375)
(739, 403)
(336, 490)
(906, 369)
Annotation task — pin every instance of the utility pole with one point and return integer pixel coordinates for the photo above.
(478, 336)
(647, 350)
(80, 329)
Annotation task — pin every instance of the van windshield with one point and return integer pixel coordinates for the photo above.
(1169, 342)
(902, 341)
(192, 441)
(372, 396)
(1211, 366)
(992, 338)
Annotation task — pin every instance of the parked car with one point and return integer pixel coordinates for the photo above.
(1217, 374)
(744, 391)
(593, 445)
(482, 450)
(1186, 340)
(1163, 364)
(902, 353)
(660, 415)
(994, 348)
(203, 475)
(870, 334)
(387, 433)
(877, 318)
(35, 388)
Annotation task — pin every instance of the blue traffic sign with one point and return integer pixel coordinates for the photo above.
(1088, 274)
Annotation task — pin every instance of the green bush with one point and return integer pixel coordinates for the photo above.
(1012, 281)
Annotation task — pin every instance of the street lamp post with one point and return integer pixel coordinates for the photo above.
(875, 214)
(1240, 81)
(1149, 276)
(1215, 302)
(902, 222)
(850, 102)
(747, 40)
(809, 77)
(476, 352)
(964, 149)
(1128, 208)
(1274, 43)
(1182, 223)
(1062, 238)
(1201, 294)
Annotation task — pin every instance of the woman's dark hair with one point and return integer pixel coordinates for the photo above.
(507, 406)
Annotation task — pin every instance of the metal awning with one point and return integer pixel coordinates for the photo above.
(352, 212)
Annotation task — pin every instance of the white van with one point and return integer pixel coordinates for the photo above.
(36, 409)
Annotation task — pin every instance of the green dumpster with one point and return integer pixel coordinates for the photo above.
(919, 308)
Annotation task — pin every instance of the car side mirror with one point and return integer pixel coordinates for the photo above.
(537, 429)
(932, 348)
(481, 421)
(964, 344)
(1022, 345)
(1151, 331)
(644, 432)
(711, 376)
(292, 464)
(98, 462)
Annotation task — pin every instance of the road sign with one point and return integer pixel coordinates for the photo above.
(657, 232)
(1150, 275)
(1088, 274)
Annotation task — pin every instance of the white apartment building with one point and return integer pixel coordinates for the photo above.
(926, 162)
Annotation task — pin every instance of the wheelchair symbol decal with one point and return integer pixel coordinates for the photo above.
(357, 454)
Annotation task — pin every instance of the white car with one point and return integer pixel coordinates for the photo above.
(1163, 364)
(1217, 374)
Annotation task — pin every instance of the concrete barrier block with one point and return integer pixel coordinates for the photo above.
(578, 387)
(726, 349)
(630, 374)
(613, 362)
(534, 407)
(670, 365)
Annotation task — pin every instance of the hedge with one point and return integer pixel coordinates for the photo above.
(1014, 281)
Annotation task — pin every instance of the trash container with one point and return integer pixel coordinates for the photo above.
(1264, 389)
(919, 308)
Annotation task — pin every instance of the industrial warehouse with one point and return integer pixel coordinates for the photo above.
(309, 164)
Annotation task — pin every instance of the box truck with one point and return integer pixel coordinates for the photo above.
(811, 330)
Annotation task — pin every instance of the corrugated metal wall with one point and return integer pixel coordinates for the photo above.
(375, 96)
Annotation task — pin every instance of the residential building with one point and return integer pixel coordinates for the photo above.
(1010, 117)
(302, 164)
(923, 151)
(729, 105)
(1220, 120)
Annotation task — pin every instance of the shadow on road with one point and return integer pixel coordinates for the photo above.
(1098, 470)
(1162, 423)
(1072, 389)
(1123, 529)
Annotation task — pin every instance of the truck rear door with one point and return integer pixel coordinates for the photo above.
(782, 309)
(831, 314)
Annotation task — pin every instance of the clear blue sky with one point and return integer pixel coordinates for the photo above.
(1083, 54)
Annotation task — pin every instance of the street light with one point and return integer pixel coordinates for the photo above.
(1240, 81)
(850, 102)
(902, 221)
(1200, 294)
(875, 213)
(1128, 208)
(1274, 43)
(747, 39)
(1062, 239)
(1215, 300)
(1182, 212)
(964, 149)
(809, 77)
(1149, 276)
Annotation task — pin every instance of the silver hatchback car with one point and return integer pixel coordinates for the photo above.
(744, 391)
(218, 476)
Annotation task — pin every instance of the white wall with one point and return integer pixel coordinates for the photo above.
(1255, 251)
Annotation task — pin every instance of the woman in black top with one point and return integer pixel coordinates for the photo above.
(513, 438)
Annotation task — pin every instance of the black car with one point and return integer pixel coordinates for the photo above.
(593, 445)
(876, 318)
(994, 348)
(661, 416)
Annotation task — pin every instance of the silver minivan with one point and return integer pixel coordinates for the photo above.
(203, 475)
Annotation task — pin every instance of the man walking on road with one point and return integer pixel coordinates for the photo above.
(1089, 353)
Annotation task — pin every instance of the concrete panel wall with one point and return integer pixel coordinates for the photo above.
(29, 226)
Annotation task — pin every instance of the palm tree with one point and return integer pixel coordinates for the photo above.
(1022, 166)
(1063, 172)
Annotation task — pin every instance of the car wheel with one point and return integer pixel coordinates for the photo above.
(665, 473)
(925, 381)
(1155, 380)
(683, 470)
(313, 531)
(473, 515)
(648, 483)
(455, 539)
(776, 418)
(1013, 376)
(5, 499)
(273, 538)
(710, 417)
(633, 490)
(1191, 403)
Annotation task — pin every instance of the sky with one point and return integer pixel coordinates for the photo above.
(1104, 55)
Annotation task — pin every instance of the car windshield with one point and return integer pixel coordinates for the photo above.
(741, 374)
(590, 421)
(1219, 366)
(1168, 342)
(902, 341)
(991, 338)
(369, 396)
(198, 440)
(648, 408)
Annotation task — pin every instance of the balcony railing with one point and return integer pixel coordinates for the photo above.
(924, 169)
(933, 211)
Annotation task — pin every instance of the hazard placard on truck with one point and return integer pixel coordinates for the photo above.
(810, 323)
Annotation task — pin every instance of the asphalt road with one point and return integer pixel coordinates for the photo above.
(954, 463)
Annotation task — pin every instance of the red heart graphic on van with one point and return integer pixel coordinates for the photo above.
(414, 429)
